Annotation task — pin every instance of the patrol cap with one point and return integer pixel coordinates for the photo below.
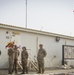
(15, 46)
(23, 47)
(41, 45)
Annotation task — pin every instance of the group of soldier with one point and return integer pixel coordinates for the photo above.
(13, 54)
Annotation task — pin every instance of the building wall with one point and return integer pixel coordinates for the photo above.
(32, 41)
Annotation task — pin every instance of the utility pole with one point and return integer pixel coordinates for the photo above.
(26, 15)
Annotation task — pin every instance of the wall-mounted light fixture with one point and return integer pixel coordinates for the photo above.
(57, 39)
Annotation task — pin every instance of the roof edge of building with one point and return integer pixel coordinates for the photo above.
(6, 26)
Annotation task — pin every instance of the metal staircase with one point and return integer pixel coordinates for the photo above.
(33, 65)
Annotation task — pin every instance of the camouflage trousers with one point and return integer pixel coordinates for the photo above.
(41, 66)
(25, 68)
(16, 65)
(11, 63)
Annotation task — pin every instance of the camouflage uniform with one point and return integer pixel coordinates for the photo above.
(11, 59)
(40, 57)
(16, 54)
(24, 59)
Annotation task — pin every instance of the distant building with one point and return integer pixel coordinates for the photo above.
(31, 39)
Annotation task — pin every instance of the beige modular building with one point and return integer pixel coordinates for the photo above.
(31, 39)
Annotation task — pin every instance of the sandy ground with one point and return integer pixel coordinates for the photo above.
(47, 72)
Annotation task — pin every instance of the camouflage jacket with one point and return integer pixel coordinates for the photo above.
(16, 54)
(11, 53)
(41, 54)
(24, 55)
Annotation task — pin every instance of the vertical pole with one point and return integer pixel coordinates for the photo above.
(26, 14)
(62, 54)
(37, 44)
(65, 42)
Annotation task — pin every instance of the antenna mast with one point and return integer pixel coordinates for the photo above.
(26, 15)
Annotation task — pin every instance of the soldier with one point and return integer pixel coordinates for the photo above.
(24, 59)
(16, 55)
(11, 58)
(40, 57)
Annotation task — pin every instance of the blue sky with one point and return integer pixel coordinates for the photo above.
(55, 16)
